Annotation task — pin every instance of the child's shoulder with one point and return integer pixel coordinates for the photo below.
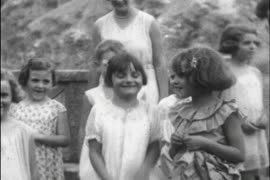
(171, 101)
(52, 103)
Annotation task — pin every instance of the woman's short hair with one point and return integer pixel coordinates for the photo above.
(232, 36)
(35, 65)
(107, 46)
(204, 68)
(120, 63)
(17, 93)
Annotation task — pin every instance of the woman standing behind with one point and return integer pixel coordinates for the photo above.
(241, 42)
(140, 35)
(17, 145)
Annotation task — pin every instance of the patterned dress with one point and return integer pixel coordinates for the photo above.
(181, 117)
(41, 117)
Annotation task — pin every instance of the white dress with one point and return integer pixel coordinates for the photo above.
(124, 135)
(136, 40)
(15, 160)
(94, 95)
(248, 94)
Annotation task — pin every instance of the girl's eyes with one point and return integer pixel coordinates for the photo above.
(135, 74)
(120, 75)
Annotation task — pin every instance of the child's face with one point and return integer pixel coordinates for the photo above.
(247, 47)
(38, 85)
(6, 97)
(180, 85)
(127, 84)
(104, 62)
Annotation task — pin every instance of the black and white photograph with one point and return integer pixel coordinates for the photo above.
(135, 90)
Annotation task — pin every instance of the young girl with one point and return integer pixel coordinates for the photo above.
(241, 42)
(123, 133)
(17, 145)
(207, 140)
(104, 51)
(46, 117)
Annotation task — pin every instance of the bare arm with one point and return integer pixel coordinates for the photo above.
(234, 151)
(32, 159)
(86, 108)
(62, 138)
(97, 160)
(158, 62)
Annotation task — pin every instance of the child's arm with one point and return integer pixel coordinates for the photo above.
(32, 159)
(97, 160)
(233, 152)
(63, 135)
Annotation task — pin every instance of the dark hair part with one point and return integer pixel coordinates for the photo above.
(16, 90)
(107, 46)
(35, 65)
(120, 63)
(232, 36)
(204, 68)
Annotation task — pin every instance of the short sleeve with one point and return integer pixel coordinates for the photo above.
(166, 126)
(93, 126)
(60, 107)
(155, 129)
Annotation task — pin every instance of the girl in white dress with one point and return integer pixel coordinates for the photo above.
(140, 34)
(241, 42)
(17, 145)
(104, 51)
(123, 133)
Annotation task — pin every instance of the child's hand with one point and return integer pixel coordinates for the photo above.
(37, 136)
(177, 140)
(194, 143)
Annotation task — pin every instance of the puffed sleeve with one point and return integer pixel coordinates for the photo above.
(155, 129)
(166, 126)
(93, 126)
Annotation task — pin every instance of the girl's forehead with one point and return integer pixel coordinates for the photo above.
(40, 73)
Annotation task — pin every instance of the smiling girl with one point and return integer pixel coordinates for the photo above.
(123, 133)
(46, 117)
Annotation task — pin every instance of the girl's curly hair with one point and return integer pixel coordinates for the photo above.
(204, 68)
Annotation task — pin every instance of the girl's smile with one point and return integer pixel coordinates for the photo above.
(127, 84)
(39, 83)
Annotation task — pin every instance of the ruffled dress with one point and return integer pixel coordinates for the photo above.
(206, 122)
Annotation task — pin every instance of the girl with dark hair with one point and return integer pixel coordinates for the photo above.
(202, 133)
(241, 42)
(17, 144)
(45, 117)
(104, 52)
(123, 133)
